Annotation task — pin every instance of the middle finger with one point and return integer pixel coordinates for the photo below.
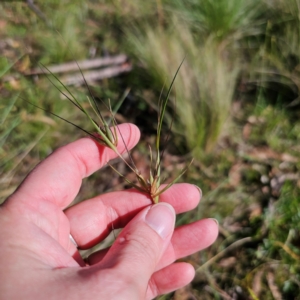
(92, 220)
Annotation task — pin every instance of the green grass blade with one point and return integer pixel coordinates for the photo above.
(74, 101)
(174, 181)
(7, 109)
(120, 101)
(85, 131)
(7, 132)
(127, 180)
(163, 108)
(7, 68)
(104, 135)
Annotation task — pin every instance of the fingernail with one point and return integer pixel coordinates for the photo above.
(215, 220)
(200, 191)
(161, 218)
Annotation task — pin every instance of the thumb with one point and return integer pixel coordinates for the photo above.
(137, 250)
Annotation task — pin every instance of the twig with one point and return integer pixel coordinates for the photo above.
(96, 75)
(273, 287)
(119, 61)
(231, 247)
(84, 64)
(38, 12)
(287, 249)
(215, 288)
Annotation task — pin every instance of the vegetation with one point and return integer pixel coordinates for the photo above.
(235, 107)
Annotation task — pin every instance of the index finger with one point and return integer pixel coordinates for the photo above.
(58, 178)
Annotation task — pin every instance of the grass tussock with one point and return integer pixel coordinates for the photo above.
(205, 85)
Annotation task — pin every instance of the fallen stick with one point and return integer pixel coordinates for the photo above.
(91, 76)
(84, 64)
(119, 66)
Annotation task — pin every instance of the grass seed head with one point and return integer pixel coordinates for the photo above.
(107, 135)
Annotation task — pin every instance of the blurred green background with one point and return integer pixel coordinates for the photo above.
(235, 109)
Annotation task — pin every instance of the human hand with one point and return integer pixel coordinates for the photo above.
(38, 259)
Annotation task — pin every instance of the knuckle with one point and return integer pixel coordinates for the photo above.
(153, 288)
(143, 245)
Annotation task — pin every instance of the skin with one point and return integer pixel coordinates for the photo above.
(38, 259)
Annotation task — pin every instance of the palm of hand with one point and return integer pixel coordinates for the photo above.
(37, 251)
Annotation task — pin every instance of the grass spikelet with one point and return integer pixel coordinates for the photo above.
(107, 135)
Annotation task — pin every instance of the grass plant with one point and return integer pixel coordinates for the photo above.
(205, 86)
(227, 21)
(107, 135)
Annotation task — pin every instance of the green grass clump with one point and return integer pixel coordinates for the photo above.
(210, 34)
(225, 20)
(205, 85)
(281, 243)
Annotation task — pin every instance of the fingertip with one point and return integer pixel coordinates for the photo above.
(212, 226)
(182, 196)
(194, 194)
(196, 236)
(185, 273)
(188, 272)
(198, 190)
(130, 133)
(172, 277)
(215, 220)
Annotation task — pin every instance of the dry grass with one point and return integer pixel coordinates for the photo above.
(205, 85)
